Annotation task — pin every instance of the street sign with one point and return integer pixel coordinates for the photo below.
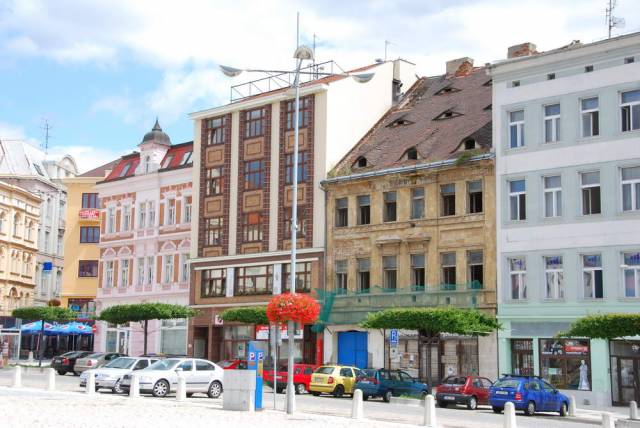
(393, 337)
(252, 356)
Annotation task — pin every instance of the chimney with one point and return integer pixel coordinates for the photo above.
(523, 49)
(460, 67)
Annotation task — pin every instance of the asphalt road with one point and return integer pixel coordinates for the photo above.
(373, 409)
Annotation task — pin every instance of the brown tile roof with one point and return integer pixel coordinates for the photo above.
(173, 156)
(100, 171)
(436, 116)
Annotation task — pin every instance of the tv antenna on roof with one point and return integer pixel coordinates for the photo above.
(612, 21)
(46, 128)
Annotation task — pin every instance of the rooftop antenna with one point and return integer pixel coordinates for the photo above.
(386, 45)
(46, 127)
(612, 21)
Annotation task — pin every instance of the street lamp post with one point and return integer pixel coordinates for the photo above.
(302, 53)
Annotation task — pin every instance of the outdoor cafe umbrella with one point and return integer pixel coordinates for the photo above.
(36, 326)
(74, 328)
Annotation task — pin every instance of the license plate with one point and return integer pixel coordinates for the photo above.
(365, 381)
(449, 397)
(502, 393)
(57, 360)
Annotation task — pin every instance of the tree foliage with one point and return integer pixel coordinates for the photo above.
(44, 313)
(249, 315)
(120, 314)
(605, 326)
(432, 321)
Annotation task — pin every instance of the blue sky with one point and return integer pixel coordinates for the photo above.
(100, 71)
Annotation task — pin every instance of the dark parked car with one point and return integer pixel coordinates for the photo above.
(388, 383)
(528, 393)
(66, 362)
(467, 390)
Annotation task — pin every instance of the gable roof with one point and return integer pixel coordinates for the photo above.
(174, 155)
(101, 170)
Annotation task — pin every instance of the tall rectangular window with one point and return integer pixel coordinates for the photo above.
(448, 197)
(342, 269)
(518, 278)
(390, 271)
(303, 277)
(448, 264)
(140, 271)
(254, 280)
(631, 188)
(475, 264)
(151, 213)
(590, 186)
(592, 276)
(108, 274)
(124, 272)
(342, 212)
(301, 224)
(390, 204)
(516, 129)
(303, 168)
(630, 110)
(214, 185)
(213, 231)
(417, 202)
(590, 117)
(126, 218)
(167, 269)
(631, 274)
(255, 121)
(517, 200)
(87, 268)
(171, 211)
(186, 217)
(364, 266)
(474, 195)
(552, 123)
(364, 209)
(213, 283)
(142, 215)
(184, 268)
(111, 220)
(215, 130)
(90, 200)
(304, 113)
(253, 174)
(418, 270)
(252, 227)
(151, 266)
(552, 196)
(554, 274)
(89, 234)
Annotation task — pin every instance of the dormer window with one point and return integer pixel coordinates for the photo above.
(488, 83)
(412, 153)
(186, 158)
(125, 169)
(399, 121)
(167, 161)
(469, 144)
(147, 164)
(489, 107)
(447, 114)
(361, 162)
(447, 90)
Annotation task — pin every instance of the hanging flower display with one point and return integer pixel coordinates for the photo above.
(300, 308)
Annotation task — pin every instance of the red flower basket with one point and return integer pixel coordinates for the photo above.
(299, 308)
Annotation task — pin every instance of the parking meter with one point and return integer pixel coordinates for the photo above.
(255, 362)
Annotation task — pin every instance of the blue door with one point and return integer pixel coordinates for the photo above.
(352, 348)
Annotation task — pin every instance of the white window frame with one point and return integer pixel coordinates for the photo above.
(151, 214)
(184, 268)
(140, 273)
(167, 269)
(587, 115)
(150, 270)
(123, 272)
(126, 218)
(553, 121)
(591, 271)
(111, 219)
(589, 186)
(521, 275)
(186, 214)
(519, 124)
(108, 274)
(142, 215)
(171, 212)
(636, 276)
(556, 197)
(515, 196)
(634, 195)
(557, 292)
(631, 106)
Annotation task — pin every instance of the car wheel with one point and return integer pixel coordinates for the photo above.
(215, 389)
(116, 388)
(472, 403)
(387, 396)
(160, 389)
(443, 404)
(75, 373)
(423, 395)
(315, 393)
(280, 390)
(365, 397)
(189, 394)
(338, 391)
(531, 409)
(62, 372)
(563, 409)
(497, 409)
(300, 389)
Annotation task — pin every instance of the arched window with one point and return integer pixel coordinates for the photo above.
(2, 259)
(3, 222)
(469, 144)
(28, 233)
(147, 164)
(16, 224)
(361, 162)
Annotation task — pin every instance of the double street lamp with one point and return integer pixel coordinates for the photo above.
(302, 53)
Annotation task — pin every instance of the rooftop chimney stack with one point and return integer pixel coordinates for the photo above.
(459, 67)
(523, 49)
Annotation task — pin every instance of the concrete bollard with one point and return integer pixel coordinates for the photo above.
(17, 377)
(607, 420)
(510, 415)
(134, 388)
(357, 409)
(430, 412)
(572, 405)
(51, 379)
(181, 393)
(633, 411)
(90, 387)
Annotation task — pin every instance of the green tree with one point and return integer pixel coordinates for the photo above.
(431, 322)
(250, 315)
(144, 312)
(43, 313)
(605, 326)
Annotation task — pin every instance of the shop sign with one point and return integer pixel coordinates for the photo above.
(262, 332)
(89, 214)
(217, 320)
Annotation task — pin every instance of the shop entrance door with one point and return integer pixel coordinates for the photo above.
(628, 381)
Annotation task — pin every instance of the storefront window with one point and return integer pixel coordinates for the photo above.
(565, 363)
(174, 337)
(522, 356)
(625, 366)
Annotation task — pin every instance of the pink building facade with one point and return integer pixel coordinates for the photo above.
(144, 244)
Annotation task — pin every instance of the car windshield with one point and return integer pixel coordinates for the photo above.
(368, 373)
(226, 363)
(324, 370)
(167, 364)
(69, 354)
(507, 383)
(455, 380)
(121, 363)
(95, 355)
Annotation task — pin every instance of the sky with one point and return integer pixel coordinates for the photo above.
(100, 71)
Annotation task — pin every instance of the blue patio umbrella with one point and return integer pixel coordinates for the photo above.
(74, 328)
(36, 326)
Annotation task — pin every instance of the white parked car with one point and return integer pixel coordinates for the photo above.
(161, 378)
(110, 376)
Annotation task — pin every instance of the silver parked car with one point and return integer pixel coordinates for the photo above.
(110, 375)
(95, 360)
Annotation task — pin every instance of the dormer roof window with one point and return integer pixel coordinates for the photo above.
(447, 114)
(399, 121)
(412, 153)
(447, 90)
(361, 162)
(469, 144)
(167, 161)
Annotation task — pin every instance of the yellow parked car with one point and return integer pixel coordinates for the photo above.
(336, 380)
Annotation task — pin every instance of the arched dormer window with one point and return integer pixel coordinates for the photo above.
(412, 153)
(469, 144)
(361, 162)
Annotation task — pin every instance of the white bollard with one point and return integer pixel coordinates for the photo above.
(510, 415)
(51, 379)
(572, 405)
(633, 411)
(181, 393)
(90, 387)
(357, 409)
(430, 412)
(607, 420)
(134, 387)
(17, 377)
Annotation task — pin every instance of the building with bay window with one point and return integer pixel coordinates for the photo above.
(567, 142)
(243, 163)
(145, 205)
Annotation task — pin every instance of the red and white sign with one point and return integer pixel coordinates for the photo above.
(89, 214)
(217, 320)
(262, 332)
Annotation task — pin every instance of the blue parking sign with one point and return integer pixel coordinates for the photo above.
(393, 337)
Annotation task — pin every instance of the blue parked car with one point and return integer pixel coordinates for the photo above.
(388, 383)
(527, 393)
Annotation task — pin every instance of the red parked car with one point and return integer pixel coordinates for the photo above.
(301, 377)
(468, 390)
(233, 364)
